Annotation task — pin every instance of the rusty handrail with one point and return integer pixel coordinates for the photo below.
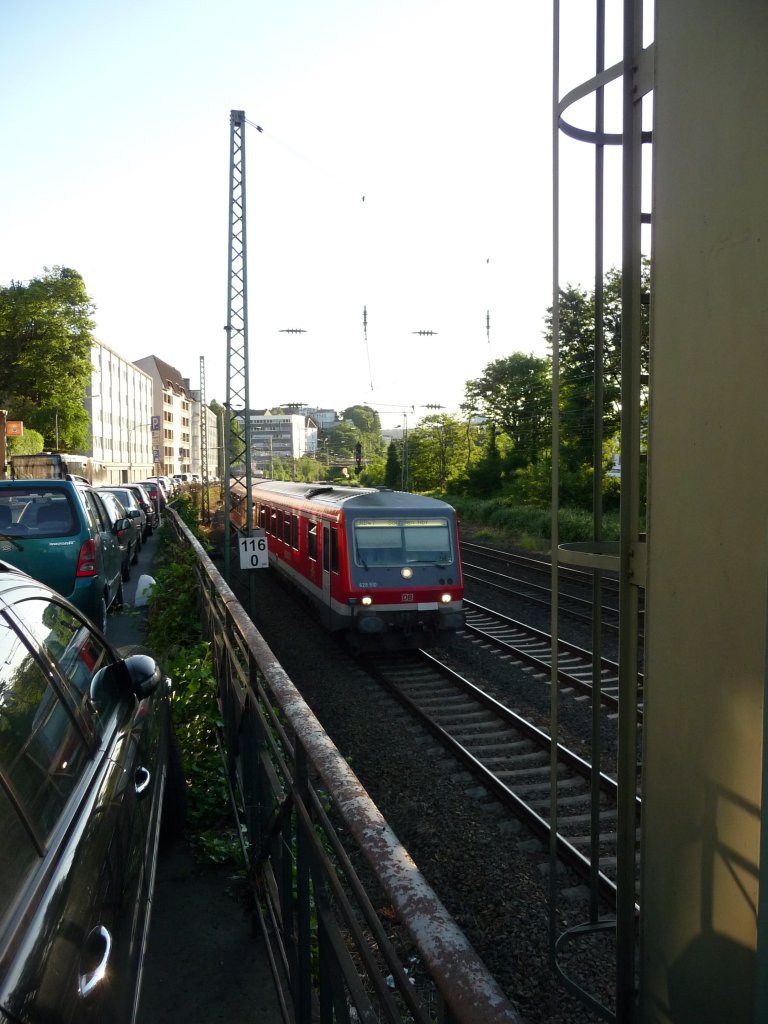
(466, 992)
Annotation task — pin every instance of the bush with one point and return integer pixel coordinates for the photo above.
(175, 636)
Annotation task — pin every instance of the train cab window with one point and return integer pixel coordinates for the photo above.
(312, 541)
(400, 541)
(279, 525)
(295, 533)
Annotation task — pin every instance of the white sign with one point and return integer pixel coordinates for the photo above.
(253, 551)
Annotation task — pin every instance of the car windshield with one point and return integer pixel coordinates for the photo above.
(401, 542)
(36, 511)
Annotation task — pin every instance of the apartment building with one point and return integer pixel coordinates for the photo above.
(119, 409)
(172, 412)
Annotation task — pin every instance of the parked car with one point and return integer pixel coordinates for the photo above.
(156, 493)
(90, 770)
(126, 530)
(144, 499)
(59, 531)
(130, 502)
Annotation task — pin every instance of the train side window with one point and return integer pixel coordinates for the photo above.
(312, 541)
(334, 549)
(262, 517)
(295, 533)
(326, 549)
(273, 522)
(287, 527)
(279, 526)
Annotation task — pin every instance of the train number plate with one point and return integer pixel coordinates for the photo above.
(406, 597)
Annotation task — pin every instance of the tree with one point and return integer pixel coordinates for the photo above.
(31, 443)
(579, 321)
(515, 394)
(393, 473)
(435, 452)
(45, 365)
(364, 418)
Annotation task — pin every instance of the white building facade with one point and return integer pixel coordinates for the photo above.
(284, 436)
(119, 409)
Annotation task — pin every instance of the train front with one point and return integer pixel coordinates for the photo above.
(405, 573)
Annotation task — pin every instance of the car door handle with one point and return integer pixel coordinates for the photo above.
(98, 943)
(141, 781)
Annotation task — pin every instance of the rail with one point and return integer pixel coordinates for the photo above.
(305, 822)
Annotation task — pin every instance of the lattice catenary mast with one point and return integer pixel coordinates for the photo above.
(205, 499)
(237, 442)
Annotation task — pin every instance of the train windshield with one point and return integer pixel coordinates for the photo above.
(402, 542)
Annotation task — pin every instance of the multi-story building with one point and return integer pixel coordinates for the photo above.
(284, 436)
(119, 409)
(202, 414)
(172, 409)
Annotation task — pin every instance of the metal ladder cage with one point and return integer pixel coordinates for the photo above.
(626, 558)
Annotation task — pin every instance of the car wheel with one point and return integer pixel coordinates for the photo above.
(136, 550)
(175, 797)
(125, 571)
(119, 599)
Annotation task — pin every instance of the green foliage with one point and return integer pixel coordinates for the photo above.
(393, 472)
(365, 419)
(45, 365)
(515, 393)
(501, 520)
(176, 638)
(31, 443)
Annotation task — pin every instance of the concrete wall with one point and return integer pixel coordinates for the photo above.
(708, 514)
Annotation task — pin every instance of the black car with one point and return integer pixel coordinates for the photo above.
(127, 531)
(144, 500)
(130, 502)
(89, 766)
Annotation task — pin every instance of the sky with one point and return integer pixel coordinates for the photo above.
(404, 167)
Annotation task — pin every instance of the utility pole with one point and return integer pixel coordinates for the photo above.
(205, 499)
(237, 466)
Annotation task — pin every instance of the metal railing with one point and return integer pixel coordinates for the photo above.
(305, 821)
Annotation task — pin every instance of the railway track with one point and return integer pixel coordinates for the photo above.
(534, 648)
(528, 578)
(511, 758)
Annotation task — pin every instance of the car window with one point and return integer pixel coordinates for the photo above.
(42, 753)
(37, 511)
(97, 510)
(75, 649)
(19, 853)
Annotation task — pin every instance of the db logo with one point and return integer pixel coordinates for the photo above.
(406, 597)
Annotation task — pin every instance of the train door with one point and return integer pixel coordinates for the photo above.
(326, 566)
(330, 569)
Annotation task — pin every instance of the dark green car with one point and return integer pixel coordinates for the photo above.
(59, 532)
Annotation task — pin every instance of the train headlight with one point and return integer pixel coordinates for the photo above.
(445, 598)
(406, 572)
(366, 601)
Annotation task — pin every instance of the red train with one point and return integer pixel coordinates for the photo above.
(382, 565)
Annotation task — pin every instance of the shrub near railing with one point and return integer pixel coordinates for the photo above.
(175, 635)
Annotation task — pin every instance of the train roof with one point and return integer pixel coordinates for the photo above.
(349, 498)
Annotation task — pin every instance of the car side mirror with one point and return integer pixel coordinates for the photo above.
(144, 674)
